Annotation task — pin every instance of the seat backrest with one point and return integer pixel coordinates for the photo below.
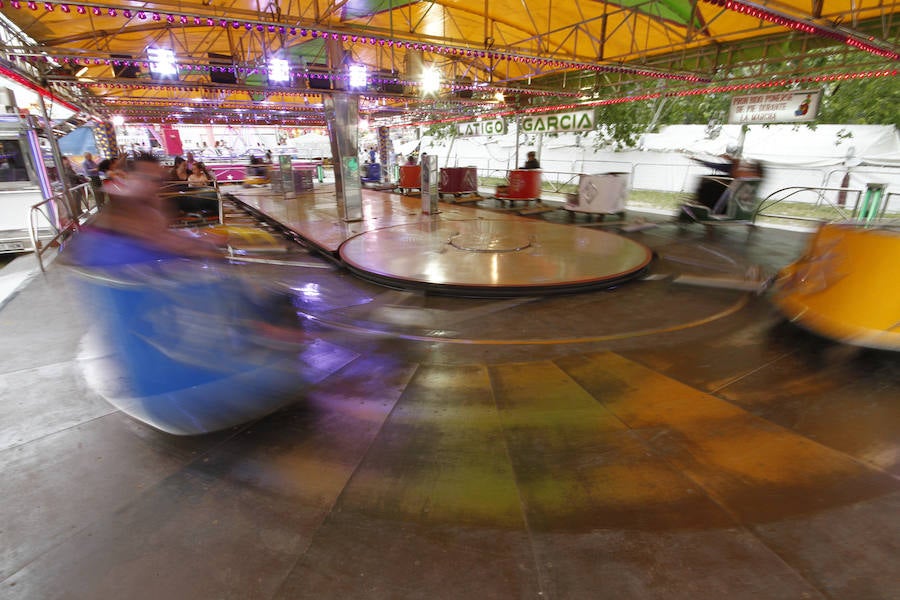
(743, 198)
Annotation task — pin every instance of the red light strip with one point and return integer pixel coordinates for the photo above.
(22, 80)
(98, 10)
(742, 87)
(767, 14)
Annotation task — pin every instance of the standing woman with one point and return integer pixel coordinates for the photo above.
(91, 169)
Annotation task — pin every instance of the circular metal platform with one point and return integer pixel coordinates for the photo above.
(484, 257)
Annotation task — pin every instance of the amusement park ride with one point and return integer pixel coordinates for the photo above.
(243, 65)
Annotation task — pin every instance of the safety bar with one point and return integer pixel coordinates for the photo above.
(43, 209)
(768, 202)
(556, 182)
(86, 196)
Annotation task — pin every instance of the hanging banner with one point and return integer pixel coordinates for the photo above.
(580, 120)
(777, 107)
(485, 127)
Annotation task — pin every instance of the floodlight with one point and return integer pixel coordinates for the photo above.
(279, 70)
(162, 62)
(431, 80)
(359, 76)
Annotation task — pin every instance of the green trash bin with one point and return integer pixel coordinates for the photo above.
(870, 207)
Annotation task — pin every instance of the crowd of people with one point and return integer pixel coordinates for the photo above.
(186, 170)
(116, 176)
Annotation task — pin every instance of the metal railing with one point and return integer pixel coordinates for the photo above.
(70, 210)
(833, 210)
(86, 197)
(43, 211)
(555, 182)
(172, 190)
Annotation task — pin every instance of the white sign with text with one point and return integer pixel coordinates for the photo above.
(581, 120)
(776, 107)
(485, 127)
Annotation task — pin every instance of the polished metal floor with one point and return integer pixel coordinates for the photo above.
(494, 257)
(461, 250)
(647, 441)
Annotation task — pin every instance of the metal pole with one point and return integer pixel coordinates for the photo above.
(429, 171)
(341, 114)
(57, 158)
(518, 135)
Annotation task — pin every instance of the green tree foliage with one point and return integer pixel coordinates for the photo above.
(619, 126)
(873, 101)
(699, 109)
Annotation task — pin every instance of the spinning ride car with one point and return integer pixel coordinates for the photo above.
(257, 173)
(524, 184)
(458, 181)
(846, 286)
(725, 198)
(410, 178)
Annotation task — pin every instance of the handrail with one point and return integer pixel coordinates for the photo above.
(85, 196)
(42, 209)
(550, 184)
(766, 204)
(181, 189)
(887, 201)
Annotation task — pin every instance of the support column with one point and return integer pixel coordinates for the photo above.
(72, 202)
(385, 154)
(430, 184)
(341, 114)
(105, 140)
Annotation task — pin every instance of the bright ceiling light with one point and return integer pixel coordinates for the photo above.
(431, 80)
(162, 62)
(499, 97)
(358, 76)
(279, 70)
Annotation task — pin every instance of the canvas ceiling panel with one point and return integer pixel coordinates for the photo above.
(460, 20)
(427, 19)
(312, 51)
(357, 9)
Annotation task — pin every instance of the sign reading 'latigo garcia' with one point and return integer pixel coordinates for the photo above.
(486, 127)
(582, 120)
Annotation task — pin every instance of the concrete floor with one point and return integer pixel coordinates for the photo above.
(651, 441)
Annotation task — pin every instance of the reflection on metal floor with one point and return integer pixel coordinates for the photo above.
(462, 250)
(494, 257)
(651, 441)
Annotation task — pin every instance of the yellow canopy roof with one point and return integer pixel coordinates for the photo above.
(553, 49)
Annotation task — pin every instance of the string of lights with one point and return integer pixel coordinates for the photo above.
(719, 89)
(769, 15)
(183, 18)
(75, 62)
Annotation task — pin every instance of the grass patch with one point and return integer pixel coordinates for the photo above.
(777, 213)
(796, 213)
